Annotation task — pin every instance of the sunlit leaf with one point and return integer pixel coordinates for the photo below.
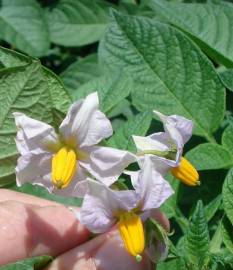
(197, 237)
(112, 89)
(80, 72)
(210, 25)
(227, 236)
(227, 78)
(209, 156)
(77, 23)
(171, 74)
(31, 89)
(137, 125)
(22, 24)
(227, 138)
(227, 193)
(211, 209)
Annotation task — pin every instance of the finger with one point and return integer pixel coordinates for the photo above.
(104, 252)
(101, 253)
(31, 230)
(9, 195)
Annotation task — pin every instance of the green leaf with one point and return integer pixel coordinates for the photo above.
(227, 78)
(223, 260)
(216, 241)
(34, 90)
(209, 156)
(9, 58)
(7, 169)
(80, 72)
(133, 2)
(77, 23)
(211, 209)
(112, 89)
(59, 97)
(123, 107)
(19, 82)
(137, 125)
(5, 182)
(197, 237)
(34, 263)
(172, 75)
(227, 138)
(175, 264)
(227, 229)
(41, 192)
(22, 24)
(170, 205)
(227, 194)
(204, 23)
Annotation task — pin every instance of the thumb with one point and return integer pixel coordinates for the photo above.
(32, 230)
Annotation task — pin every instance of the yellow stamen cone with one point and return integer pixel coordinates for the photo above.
(186, 173)
(132, 233)
(64, 165)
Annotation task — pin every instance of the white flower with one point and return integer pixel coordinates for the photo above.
(103, 207)
(59, 160)
(165, 148)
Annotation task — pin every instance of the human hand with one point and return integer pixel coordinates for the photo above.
(31, 226)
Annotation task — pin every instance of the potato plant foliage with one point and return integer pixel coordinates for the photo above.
(173, 56)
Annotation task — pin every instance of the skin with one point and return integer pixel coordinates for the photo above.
(31, 226)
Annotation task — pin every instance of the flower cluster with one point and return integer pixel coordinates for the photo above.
(73, 163)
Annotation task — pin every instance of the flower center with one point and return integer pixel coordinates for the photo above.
(132, 233)
(64, 164)
(186, 173)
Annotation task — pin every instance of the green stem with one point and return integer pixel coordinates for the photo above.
(210, 138)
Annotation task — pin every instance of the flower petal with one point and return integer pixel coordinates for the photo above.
(34, 169)
(153, 189)
(106, 164)
(34, 136)
(85, 124)
(99, 220)
(161, 165)
(177, 126)
(101, 205)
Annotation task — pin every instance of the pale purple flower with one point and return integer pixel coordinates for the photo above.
(80, 132)
(103, 207)
(165, 148)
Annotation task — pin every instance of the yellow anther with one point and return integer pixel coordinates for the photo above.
(64, 165)
(186, 173)
(132, 233)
